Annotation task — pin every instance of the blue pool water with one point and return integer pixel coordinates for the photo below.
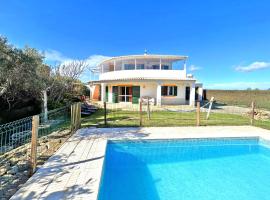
(218, 169)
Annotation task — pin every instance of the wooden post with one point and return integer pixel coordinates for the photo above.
(33, 158)
(75, 117)
(198, 114)
(210, 107)
(105, 114)
(140, 112)
(72, 121)
(78, 115)
(148, 108)
(252, 112)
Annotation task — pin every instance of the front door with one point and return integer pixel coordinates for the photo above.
(187, 93)
(125, 94)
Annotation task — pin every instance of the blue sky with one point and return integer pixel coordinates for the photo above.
(228, 42)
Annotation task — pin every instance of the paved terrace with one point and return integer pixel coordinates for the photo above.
(74, 171)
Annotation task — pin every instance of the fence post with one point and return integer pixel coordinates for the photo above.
(198, 114)
(140, 112)
(252, 112)
(33, 159)
(105, 114)
(72, 118)
(75, 117)
(78, 115)
(148, 108)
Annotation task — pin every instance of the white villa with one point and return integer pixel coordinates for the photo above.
(128, 78)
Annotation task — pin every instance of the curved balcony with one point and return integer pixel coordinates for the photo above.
(144, 74)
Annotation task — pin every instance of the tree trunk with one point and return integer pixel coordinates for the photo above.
(45, 107)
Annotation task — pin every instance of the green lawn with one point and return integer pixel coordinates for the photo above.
(120, 118)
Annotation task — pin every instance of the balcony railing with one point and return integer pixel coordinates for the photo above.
(143, 74)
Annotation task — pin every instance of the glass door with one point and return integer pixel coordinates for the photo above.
(125, 94)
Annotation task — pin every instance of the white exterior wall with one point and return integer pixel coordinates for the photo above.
(148, 89)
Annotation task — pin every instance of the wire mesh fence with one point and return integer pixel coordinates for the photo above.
(15, 134)
(16, 148)
(127, 114)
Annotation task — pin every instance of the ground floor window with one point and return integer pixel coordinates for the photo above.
(168, 90)
(125, 94)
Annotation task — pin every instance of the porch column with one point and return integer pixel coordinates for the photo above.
(110, 96)
(103, 92)
(158, 94)
(192, 95)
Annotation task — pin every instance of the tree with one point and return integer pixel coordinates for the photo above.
(18, 76)
(25, 76)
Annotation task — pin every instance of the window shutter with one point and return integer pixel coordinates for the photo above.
(115, 94)
(175, 91)
(135, 94)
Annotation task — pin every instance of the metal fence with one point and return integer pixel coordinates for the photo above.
(203, 114)
(22, 148)
(18, 133)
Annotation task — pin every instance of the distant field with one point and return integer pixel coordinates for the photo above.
(241, 97)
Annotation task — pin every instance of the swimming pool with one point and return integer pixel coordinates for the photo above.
(224, 168)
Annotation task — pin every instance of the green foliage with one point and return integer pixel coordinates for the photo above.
(24, 77)
(18, 73)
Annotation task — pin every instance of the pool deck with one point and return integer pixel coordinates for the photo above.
(74, 171)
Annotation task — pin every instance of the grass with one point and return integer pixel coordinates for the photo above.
(120, 118)
(241, 97)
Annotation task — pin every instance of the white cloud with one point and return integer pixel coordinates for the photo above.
(194, 68)
(238, 85)
(55, 56)
(94, 60)
(253, 66)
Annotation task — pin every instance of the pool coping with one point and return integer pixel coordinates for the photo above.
(85, 153)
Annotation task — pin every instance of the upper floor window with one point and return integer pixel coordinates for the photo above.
(168, 90)
(155, 66)
(140, 66)
(129, 66)
(166, 67)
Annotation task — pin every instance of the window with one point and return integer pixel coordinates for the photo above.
(165, 67)
(155, 66)
(169, 91)
(140, 66)
(125, 94)
(129, 66)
